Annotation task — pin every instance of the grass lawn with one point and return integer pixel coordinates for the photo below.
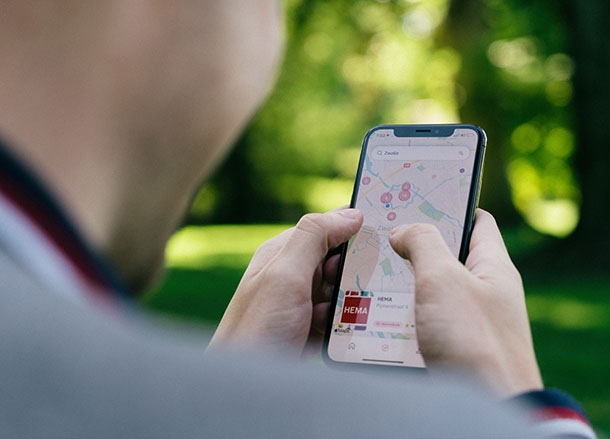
(570, 315)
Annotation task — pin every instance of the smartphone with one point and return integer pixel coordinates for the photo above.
(407, 174)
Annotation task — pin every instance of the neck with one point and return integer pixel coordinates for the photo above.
(60, 110)
(118, 109)
(120, 201)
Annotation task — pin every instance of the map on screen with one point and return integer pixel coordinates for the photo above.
(403, 180)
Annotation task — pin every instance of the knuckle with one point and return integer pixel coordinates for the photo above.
(426, 280)
(271, 246)
(311, 223)
(274, 242)
(312, 227)
(439, 276)
(421, 230)
(262, 249)
(397, 243)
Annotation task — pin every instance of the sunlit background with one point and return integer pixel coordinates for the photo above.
(523, 70)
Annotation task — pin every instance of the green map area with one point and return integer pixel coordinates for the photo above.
(429, 210)
(386, 266)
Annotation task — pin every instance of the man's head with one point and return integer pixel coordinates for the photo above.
(123, 107)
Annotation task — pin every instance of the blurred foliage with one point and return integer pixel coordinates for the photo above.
(350, 65)
(517, 78)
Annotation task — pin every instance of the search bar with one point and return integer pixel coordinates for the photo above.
(410, 153)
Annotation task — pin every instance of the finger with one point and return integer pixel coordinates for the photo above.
(271, 247)
(322, 294)
(337, 209)
(313, 347)
(423, 245)
(486, 245)
(319, 317)
(330, 269)
(267, 251)
(315, 234)
(318, 279)
(487, 234)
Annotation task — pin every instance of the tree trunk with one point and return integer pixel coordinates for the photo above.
(465, 27)
(590, 48)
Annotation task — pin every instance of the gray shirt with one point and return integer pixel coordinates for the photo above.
(69, 370)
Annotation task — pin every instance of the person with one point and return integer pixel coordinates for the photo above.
(112, 114)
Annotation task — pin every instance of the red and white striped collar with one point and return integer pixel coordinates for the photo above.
(37, 234)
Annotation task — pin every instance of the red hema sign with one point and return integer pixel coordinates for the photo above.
(356, 310)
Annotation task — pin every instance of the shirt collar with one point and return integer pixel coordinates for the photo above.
(45, 240)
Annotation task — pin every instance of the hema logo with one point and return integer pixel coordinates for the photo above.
(356, 310)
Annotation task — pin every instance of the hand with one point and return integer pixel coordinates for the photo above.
(286, 285)
(471, 316)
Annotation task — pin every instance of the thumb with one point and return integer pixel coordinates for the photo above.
(487, 249)
(423, 246)
(316, 233)
(486, 238)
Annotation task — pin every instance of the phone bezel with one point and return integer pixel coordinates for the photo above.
(417, 130)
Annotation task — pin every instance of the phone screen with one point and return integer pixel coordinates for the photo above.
(402, 180)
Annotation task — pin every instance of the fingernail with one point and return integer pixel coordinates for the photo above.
(350, 213)
(397, 228)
